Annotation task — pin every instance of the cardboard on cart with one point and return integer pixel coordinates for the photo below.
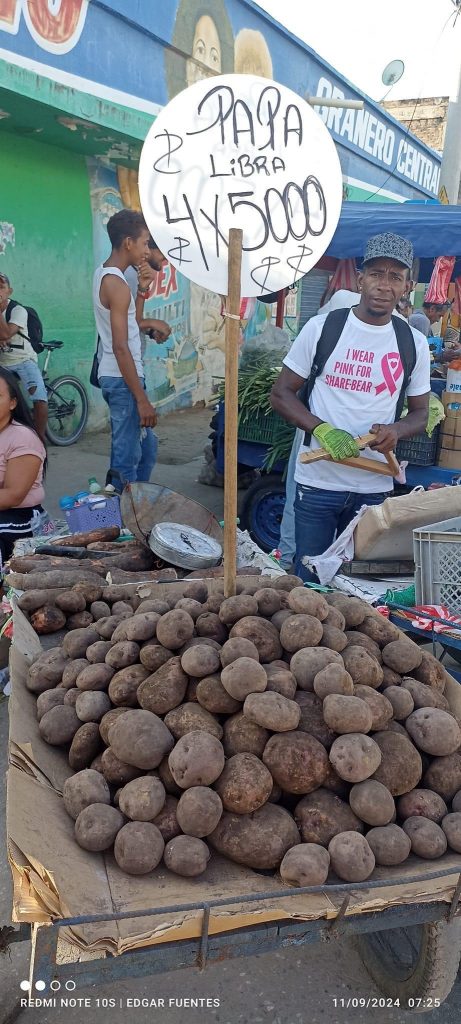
(386, 531)
(450, 458)
(54, 878)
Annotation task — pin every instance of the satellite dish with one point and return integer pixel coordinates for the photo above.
(393, 72)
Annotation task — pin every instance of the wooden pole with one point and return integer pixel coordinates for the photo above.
(232, 335)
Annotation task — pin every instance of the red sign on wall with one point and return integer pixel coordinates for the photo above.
(55, 25)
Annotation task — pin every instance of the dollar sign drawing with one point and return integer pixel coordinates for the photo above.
(183, 243)
(266, 263)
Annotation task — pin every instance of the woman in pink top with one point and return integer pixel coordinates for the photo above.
(22, 465)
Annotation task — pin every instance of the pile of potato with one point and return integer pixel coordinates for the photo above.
(288, 729)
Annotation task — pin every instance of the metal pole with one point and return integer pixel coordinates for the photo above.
(451, 160)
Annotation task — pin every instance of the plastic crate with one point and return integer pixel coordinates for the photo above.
(437, 551)
(420, 450)
(89, 517)
(263, 429)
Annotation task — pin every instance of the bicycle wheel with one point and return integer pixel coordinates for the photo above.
(67, 410)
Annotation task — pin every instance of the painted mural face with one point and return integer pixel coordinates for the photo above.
(205, 48)
(252, 56)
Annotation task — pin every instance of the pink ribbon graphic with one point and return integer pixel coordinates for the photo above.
(392, 369)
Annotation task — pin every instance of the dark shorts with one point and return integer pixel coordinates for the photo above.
(14, 524)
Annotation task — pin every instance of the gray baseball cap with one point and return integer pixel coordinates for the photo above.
(391, 247)
(4, 278)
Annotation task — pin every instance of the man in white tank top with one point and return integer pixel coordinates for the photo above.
(120, 369)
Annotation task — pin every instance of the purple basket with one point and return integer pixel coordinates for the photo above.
(87, 517)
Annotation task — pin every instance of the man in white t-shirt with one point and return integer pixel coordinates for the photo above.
(357, 390)
(17, 354)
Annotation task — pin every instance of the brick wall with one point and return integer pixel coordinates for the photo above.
(428, 120)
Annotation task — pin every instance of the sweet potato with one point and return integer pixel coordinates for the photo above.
(48, 619)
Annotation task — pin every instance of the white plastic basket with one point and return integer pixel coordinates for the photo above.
(437, 553)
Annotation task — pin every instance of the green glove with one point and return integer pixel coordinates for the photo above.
(338, 443)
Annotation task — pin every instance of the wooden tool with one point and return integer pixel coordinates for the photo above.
(231, 425)
(391, 468)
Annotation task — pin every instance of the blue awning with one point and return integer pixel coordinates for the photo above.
(434, 229)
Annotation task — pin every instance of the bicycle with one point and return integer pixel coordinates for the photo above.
(67, 403)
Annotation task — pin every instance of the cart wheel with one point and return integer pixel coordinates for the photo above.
(262, 510)
(416, 965)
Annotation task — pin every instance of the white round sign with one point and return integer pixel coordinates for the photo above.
(238, 151)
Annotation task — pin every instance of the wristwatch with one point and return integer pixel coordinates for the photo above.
(142, 292)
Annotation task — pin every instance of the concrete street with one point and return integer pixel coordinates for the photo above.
(298, 986)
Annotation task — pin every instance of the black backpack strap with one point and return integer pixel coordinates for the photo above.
(407, 351)
(331, 333)
(9, 310)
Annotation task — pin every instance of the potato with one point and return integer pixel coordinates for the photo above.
(444, 775)
(333, 679)
(355, 757)
(335, 618)
(121, 654)
(390, 844)
(199, 811)
(122, 609)
(333, 639)
(372, 802)
(49, 699)
(96, 827)
(94, 677)
(244, 784)
(76, 642)
(357, 639)
(390, 678)
(308, 602)
(107, 720)
(234, 608)
(363, 668)
(422, 802)
(309, 661)
(142, 799)
(166, 821)
(402, 655)
(153, 605)
(287, 582)
(260, 840)
(96, 763)
(48, 619)
(380, 629)
(456, 802)
(98, 609)
(92, 705)
(272, 711)
(167, 779)
(213, 603)
(187, 856)
(242, 736)
(46, 674)
(305, 864)
(200, 661)
(212, 696)
(106, 627)
(401, 701)
(346, 714)
(192, 717)
(59, 725)
(140, 738)
(297, 762)
(279, 618)
(165, 689)
(430, 672)
(196, 591)
(85, 745)
(210, 625)
(300, 631)
(380, 707)
(424, 696)
(193, 608)
(352, 608)
(152, 655)
(268, 601)
(351, 857)
(116, 771)
(80, 620)
(196, 641)
(90, 591)
(96, 653)
(427, 839)
(434, 731)
(235, 648)
(280, 679)
(262, 633)
(451, 825)
(71, 671)
(138, 847)
(312, 720)
(141, 627)
(196, 760)
(401, 767)
(124, 685)
(335, 784)
(83, 789)
(322, 815)
(70, 696)
(242, 677)
(70, 602)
